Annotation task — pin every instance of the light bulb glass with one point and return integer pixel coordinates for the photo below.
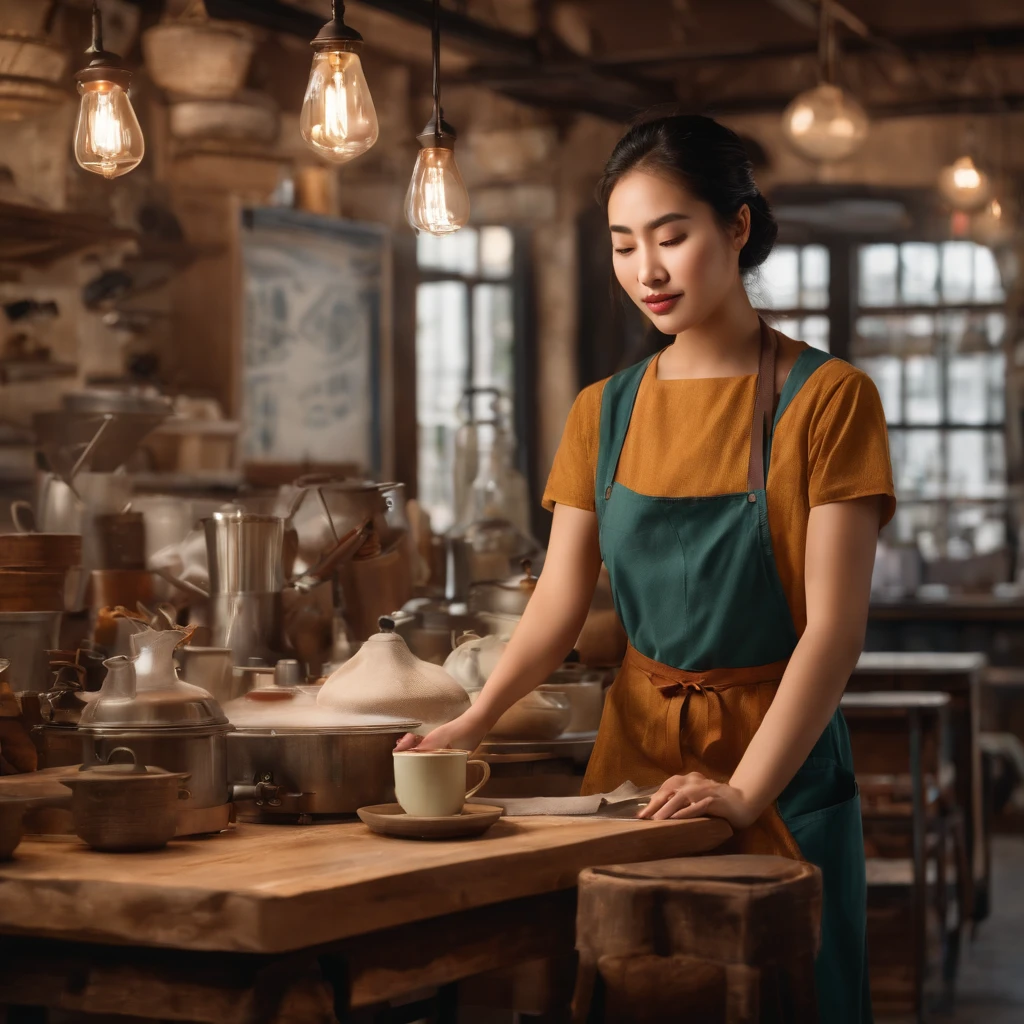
(437, 201)
(825, 123)
(108, 139)
(964, 186)
(338, 120)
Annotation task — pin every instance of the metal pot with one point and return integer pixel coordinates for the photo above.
(318, 771)
(503, 597)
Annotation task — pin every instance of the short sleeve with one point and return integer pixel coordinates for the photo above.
(574, 471)
(848, 454)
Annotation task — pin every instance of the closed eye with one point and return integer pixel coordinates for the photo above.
(674, 241)
(624, 252)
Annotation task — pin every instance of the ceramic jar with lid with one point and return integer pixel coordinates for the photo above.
(384, 678)
(123, 805)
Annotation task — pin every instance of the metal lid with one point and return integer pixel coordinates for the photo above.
(284, 710)
(145, 692)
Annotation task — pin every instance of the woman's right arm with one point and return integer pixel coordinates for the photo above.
(547, 632)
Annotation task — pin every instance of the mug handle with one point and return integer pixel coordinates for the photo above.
(487, 774)
(20, 509)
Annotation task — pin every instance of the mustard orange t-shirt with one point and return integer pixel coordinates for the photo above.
(691, 438)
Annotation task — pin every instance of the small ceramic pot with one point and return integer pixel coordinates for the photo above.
(123, 808)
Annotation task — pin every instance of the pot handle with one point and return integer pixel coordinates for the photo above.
(18, 508)
(184, 793)
(136, 767)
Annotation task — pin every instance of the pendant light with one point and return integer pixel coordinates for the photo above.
(964, 186)
(826, 122)
(437, 201)
(338, 120)
(108, 139)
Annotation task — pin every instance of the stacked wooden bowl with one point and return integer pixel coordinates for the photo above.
(38, 571)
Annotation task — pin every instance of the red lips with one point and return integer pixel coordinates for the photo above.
(661, 303)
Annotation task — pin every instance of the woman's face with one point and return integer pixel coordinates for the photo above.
(669, 251)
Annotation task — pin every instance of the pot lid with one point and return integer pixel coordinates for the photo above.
(384, 678)
(144, 691)
(295, 709)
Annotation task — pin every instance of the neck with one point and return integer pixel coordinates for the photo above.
(725, 344)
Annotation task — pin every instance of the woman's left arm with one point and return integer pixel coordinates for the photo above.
(840, 555)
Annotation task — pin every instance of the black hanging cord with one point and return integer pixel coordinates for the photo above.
(826, 45)
(436, 47)
(97, 29)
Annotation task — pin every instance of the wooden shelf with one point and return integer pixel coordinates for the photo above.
(35, 236)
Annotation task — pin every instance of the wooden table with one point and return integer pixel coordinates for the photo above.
(270, 922)
(962, 677)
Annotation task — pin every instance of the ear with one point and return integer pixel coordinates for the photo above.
(741, 228)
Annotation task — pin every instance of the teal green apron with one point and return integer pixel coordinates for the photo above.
(696, 586)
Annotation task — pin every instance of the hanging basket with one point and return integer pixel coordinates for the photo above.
(198, 59)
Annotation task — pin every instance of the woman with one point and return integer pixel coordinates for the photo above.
(745, 605)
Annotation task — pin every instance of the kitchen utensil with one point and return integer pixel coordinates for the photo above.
(585, 696)
(123, 807)
(391, 820)
(537, 716)
(504, 597)
(211, 669)
(25, 637)
(321, 761)
(245, 552)
(109, 588)
(385, 677)
(144, 705)
(432, 783)
(474, 659)
(375, 586)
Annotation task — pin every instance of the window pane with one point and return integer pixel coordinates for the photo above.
(815, 331)
(780, 277)
(493, 355)
(885, 372)
(442, 349)
(919, 280)
(814, 274)
(456, 252)
(923, 397)
(995, 328)
(917, 462)
(496, 248)
(957, 271)
(977, 463)
(988, 285)
(878, 266)
(975, 389)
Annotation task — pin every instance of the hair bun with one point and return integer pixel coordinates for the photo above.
(763, 232)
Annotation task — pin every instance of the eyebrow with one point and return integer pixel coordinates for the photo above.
(667, 218)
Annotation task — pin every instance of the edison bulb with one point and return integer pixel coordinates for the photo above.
(825, 123)
(964, 186)
(338, 120)
(108, 139)
(437, 201)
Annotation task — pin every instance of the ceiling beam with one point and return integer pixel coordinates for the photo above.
(940, 106)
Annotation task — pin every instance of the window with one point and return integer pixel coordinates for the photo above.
(929, 326)
(465, 337)
(793, 286)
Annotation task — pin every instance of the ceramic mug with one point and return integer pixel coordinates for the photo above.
(432, 783)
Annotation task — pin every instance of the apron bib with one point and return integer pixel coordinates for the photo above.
(696, 586)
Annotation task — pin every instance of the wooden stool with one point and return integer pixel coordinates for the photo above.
(720, 940)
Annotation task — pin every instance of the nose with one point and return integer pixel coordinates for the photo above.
(652, 273)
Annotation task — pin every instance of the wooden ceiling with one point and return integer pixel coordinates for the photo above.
(614, 58)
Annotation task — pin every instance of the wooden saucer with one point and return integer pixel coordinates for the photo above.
(391, 820)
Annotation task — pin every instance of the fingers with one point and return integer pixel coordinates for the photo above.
(682, 798)
(694, 810)
(408, 742)
(667, 791)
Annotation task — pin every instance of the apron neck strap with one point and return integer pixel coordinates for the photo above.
(764, 402)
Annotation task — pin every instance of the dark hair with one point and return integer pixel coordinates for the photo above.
(711, 162)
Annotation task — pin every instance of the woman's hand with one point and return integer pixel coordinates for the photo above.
(463, 733)
(694, 795)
